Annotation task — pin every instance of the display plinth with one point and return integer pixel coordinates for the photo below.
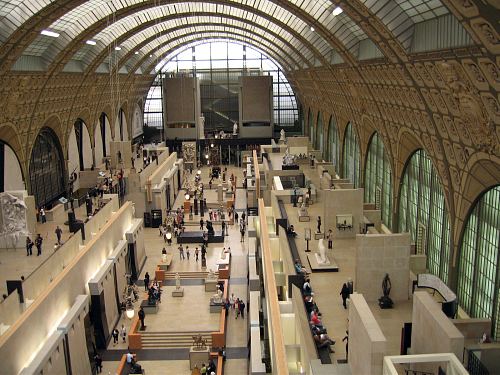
(178, 292)
(210, 285)
(215, 307)
(149, 309)
(303, 217)
(319, 236)
(198, 357)
(318, 267)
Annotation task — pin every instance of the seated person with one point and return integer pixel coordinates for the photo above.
(314, 319)
(130, 358)
(291, 231)
(323, 340)
(317, 331)
(311, 305)
(307, 289)
(299, 268)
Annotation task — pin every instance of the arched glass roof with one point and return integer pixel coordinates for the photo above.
(309, 32)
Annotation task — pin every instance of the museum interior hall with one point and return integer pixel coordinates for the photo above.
(250, 187)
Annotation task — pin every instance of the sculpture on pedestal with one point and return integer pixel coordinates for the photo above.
(177, 281)
(282, 136)
(199, 343)
(211, 274)
(223, 253)
(288, 159)
(321, 256)
(385, 302)
(217, 297)
(235, 129)
(303, 209)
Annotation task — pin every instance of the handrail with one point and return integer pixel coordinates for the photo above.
(272, 297)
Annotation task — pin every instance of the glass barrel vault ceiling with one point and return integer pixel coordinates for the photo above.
(314, 34)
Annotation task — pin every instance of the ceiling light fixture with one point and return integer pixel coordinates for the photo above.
(91, 42)
(312, 28)
(337, 11)
(50, 33)
(136, 52)
(118, 48)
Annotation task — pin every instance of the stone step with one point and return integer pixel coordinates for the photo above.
(172, 339)
(188, 275)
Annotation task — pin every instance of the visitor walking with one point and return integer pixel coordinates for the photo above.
(241, 307)
(146, 281)
(181, 253)
(346, 339)
(42, 215)
(201, 223)
(142, 315)
(319, 224)
(29, 246)
(196, 252)
(187, 252)
(115, 335)
(345, 295)
(123, 333)
(98, 363)
(223, 227)
(329, 237)
(38, 244)
(58, 234)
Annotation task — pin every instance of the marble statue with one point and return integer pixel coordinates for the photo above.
(211, 274)
(282, 136)
(217, 297)
(321, 255)
(223, 253)
(164, 258)
(177, 281)
(12, 218)
(235, 129)
(303, 209)
(288, 159)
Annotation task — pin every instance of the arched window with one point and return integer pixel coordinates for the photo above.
(47, 168)
(11, 173)
(319, 133)
(478, 267)
(378, 179)
(351, 156)
(332, 145)
(422, 212)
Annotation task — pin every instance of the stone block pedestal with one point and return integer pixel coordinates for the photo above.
(210, 285)
(198, 357)
(215, 307)
(149, 309)
(178, 292)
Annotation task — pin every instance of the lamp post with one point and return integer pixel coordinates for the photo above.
(129, 311)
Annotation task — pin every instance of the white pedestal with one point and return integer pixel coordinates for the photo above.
(178, 292)
(210, 285)
(198, 357)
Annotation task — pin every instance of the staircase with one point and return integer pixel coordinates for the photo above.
(172, 340)
(188, 274)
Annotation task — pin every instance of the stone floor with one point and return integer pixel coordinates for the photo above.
(191, 312)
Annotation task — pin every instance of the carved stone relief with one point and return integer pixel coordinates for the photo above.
(491, 72)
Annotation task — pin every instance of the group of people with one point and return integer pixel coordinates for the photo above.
(208, 369)
(236, 305)
(319, 332)
(38, 243)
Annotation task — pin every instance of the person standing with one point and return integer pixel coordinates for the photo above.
(98, 363)
(201, 223)
(38, 244)
(241, 307)
(243, 216)
(223, 227)
(42, 215)
(196, 252)
(29, 246)
(237, 307)
(329, 237)
(187, 252)
(181, 252)
(346, 339)
(123, 333)
(203, 251)
(115, 334)
(142, 315)
(58, 234)
(319, 224)
(146, 281)
(345, 295)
